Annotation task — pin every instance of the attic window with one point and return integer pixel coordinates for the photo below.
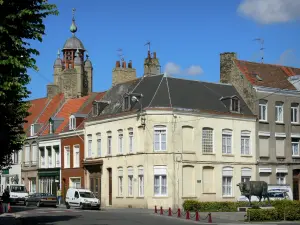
(51, 127)
(72, 123)
(235, 104)
(32, 131)
(126, 103)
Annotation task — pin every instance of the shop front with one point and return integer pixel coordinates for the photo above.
(49, 180)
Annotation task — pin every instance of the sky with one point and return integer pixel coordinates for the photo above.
(188, 36)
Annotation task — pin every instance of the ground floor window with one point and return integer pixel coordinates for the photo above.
(47, 185)
(32, 184)
(75, 182)
(160, 181)
(227, 175)
(280, 178)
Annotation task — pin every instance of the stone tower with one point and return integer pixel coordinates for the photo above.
(73, 73)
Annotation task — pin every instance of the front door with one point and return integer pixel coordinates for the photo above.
(109, 186)
(95, 186)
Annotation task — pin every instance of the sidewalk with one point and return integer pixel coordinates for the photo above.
(10, 218)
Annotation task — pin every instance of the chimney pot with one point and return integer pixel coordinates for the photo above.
(154, 55)
(124, 64)
(118, 64)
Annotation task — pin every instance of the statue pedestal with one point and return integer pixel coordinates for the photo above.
(245, 208)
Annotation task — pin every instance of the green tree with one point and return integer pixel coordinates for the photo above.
(21, 21)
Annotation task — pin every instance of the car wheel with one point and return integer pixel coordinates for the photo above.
(38, 204)
(54, 206)
(67, 206)
(27, 204)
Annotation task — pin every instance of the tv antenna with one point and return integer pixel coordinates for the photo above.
(120, 54)
(262, 48)
(148, 43)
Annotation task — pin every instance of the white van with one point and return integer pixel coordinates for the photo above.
(82, 198)
(18, 193)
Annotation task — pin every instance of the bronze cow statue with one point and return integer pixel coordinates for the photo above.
(254, 188)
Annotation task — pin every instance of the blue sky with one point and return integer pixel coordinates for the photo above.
(188, 35)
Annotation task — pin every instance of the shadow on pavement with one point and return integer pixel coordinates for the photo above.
(40, 220)
(16, 208)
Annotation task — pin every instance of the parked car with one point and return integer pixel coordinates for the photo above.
(41, 199)
(278, 195)
(82, 198)
(18, 193)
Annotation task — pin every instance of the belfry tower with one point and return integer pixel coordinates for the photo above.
(73, 73)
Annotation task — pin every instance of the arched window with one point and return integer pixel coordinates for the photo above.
(72, 122)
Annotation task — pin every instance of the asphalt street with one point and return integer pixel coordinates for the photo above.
(63, 216)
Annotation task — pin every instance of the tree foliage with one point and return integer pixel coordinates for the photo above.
(20, 22)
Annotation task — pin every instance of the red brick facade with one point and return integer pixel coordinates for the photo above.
(67, 173)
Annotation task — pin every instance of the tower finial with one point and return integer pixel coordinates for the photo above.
(58, 53)
(73, 27)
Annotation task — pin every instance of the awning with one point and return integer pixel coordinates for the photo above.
(281, 170)
(265, 170)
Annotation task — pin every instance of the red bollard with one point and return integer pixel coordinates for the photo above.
(161, 211)
(178, 213)
(155, 209)
(209, 218)
(197, 216)
(170, 211)
(187, 215)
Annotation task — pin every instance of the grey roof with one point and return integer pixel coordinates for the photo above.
(73, 43)
(180, 94)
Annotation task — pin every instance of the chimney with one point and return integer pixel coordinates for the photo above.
(226, 66)
(130, 64)
(154, 55)
(124, 64)
(118, 64)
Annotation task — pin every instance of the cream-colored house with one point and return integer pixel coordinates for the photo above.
(159, 141)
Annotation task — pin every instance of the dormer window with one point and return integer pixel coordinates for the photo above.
(72, 123)
(126, 102)
(51, 127)
(99, 106)
(235, 104)
(32, 131)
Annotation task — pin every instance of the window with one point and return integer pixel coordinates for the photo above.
(49, 157)
(207, 140)
(130, 181)
(51, 127)
(67, 156)
(89, 145)
(160, 138)
(96, 108)
(246, 174)
(109, 137)
(75, 183)
(235, 104)
(99, 145)
(76, 156)
(245, 143)
(32, 131)
(227, 142)
(279, 112)
(32, 185)
(141, 181)
(120, 142)
(72, 123)
(15, 157)
(295, 113)
(120, 182)
(227, 175)
(295, 147)
(34, 149)
(42, 163)
(160, 181)
(130, 133)
(27, 154)
(126, 103)
(263, 110)
(280, 178)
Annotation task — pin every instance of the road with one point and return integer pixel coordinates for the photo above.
(63, 216)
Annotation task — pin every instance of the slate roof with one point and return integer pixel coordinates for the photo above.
(273, 76)
(173, 93)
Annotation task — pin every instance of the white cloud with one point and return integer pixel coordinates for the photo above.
(270, 11)
(174, 69)
(288, 58)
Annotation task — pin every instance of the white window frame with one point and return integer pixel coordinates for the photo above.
(51, 131)
(280, 178)
(141, 181)
(76, 149)
(131, 139)
(120, 142)
(295, 143)
(279, 106)
(227, 175)
(262, 105)
(205, 139)
(120, 182)
(295, 110)
(227, 142)
(245, 135)
(246, 174)
(160, 172)
(99, 145)
(32, 131)
(15, 157)
(130, 181)
(236, 100)
(67, 156)
(89, 145)
(71, 179)
(72, 122)
(27, 154)
(109, 143)
(160, 130)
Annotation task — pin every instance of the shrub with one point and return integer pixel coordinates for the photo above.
(262, 215)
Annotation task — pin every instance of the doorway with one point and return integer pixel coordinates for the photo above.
(95, 186)
(109, 170)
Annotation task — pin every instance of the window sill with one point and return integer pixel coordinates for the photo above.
(207, 153)
(209, 193)
(295, 124)
(227, 155)
(130, 153)
(263, 121)
(108, 156)
(281, 157)
(227, 196)
(296, 156)
(249, 156)
(140, 197)
(160, 151)
(119, 197)
(162, 196)
(129, 197)
(279, 123)
(120, 154)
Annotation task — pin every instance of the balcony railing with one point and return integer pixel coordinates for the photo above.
(29, 164)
